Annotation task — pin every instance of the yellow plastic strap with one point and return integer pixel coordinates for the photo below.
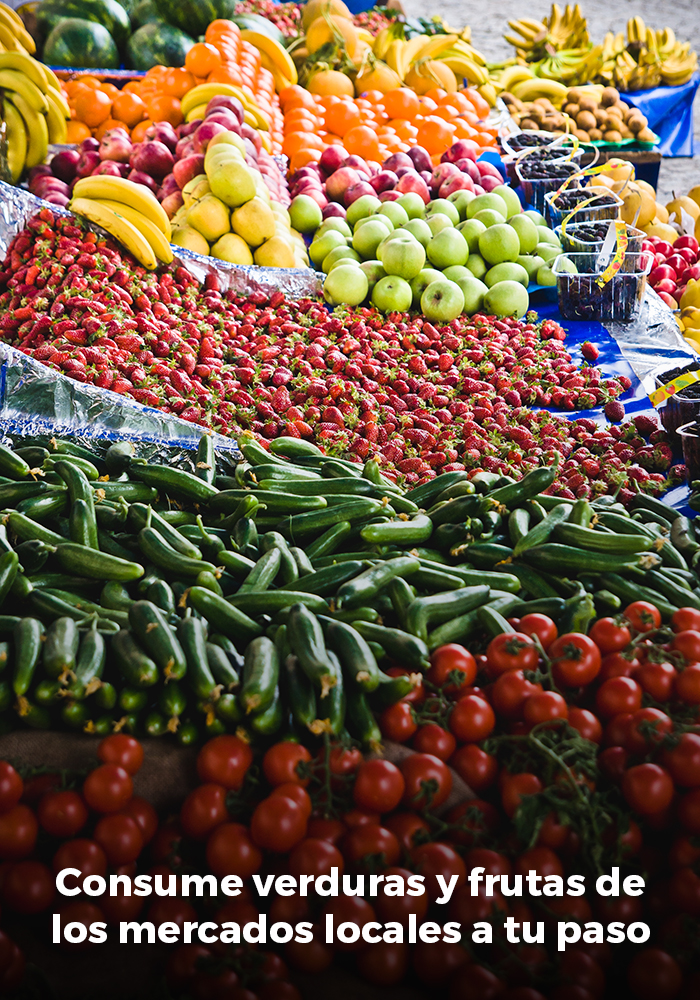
(664, 392)
(581, 204)
(619, 255)
(602, 168)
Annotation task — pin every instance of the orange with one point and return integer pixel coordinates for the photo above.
(92, 106)
(139, 131)
(76, 132)
(106, 125)
(427, 104)
(132, 87)
(128, 108)
(463, 130)
(435, 134)
(436, 94)
(221, 26)
(295, 97)
(177, 82)
(330, 81)
(341, 117)
(110, 90)
(165, 108)
(401, 103)
(362, 141)
(89, 81)
(302, 157)
(296, 141)
(226, 74)
(201, 59)
(480, 104)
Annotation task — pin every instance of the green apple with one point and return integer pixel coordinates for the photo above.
(345, 261)
(477, 265)
(509, 196)
(507, 271)
(421, 282)
(443, 207)
(457, 271)
(490, 202)
(338, 253)
(488, 217)
(536, 217)
(436, 223)
(345, 285)
(322, 245)
(473, 291)
(507, 298)
(547, 235)
(447, 248)
(337, 225)
(420, 229)
(368, 204)
(381, 219)
(442, 301)
(546, 276)
(412, 204)
(566, 266)
(392, 210)
(460, 199)
(499, 243)
(367, 238)
(403, 257)
(531, 262)
(527, 232)
(547, 251)
(392, 294)
(374, 269)
(471, 230)
(304, 214)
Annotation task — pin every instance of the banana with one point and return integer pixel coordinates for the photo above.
(197, 112)
(118, 226)
(279, 55)
(9, 39)
(530, 90)
(11, 19)
(11, 80)
(104, 188)
(204, 92)
(463, 67)
(515, 74)
(280, 79)
(23, 63)
(58, 99)
(438, 44)
(394, 58)
(56, 120)
(159, 244)
(37, 130)
(16, 142)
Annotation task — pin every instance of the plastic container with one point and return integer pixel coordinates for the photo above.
(680, 408)
(516, 142)
(689, 435)
(573, 244)
(535, 189)
(586, 213)
(580, 297)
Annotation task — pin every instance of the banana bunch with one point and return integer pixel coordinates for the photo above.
(129, 212)
(34, 111)
(531, 90)
(14, 37)
(412, 58)
(561, 30)
(194, 105)
(570, 66)
(273, 57)
(678, 64)
(646, 58)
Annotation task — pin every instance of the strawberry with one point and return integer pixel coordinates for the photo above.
(589, 351)
(614, 411)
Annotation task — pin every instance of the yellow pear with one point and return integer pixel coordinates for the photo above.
(180, 217)
(619, 170)
(646, 187)
(319, 8)
(661, 213)
(663, 231)
(605, 181)
(691, 295)
(209, 216)
(190, 239)
(233, 182)
(226, 139)
(696, 234)
(281, 212)
(275, 252)
(685, 203)
(694, 193)
(254, 222)
(638, 207)
(232, 249)
(188, 196)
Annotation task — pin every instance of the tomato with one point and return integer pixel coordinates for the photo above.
(618, 695)
(684, 619)
(688, 684)
(277, 824)
(544, 706)
(313, 957)
(281, 763)
(13, 969)
(274, 989)
(642, 616)
(657, 680)
(687, 644)
(183, 964)
(203, 810)
(474, 982)
(467, 909)
(315, 857)
(144, 815)
(472, 818)
(617, 665)
(646, 728)
(492, 862)
(613, 763)
(11, 786)
(18, 833)
(435, 740)
(683, 761)
(230, 851)
(417, 695)
(472, 719)
(398, 722)
(383, 963)
(648, 788)
(435, 859)
(427, 779)
(225, 761)
(122, 750)
(297, 794)
(542, 860)
(349, 909)
(165, 847)
(541, 626)
(610, 635)
(452, 667)
(475, 767)
(344, 760)
(357, 817)
(585, 723)
(514, 787)
(406, 827)
(362, 844)
(330, 830)
(510, 692)
(576, 659)
(85, 855)
(62, 814)
(654, 975)
(289, 909)
(578, 967)
(379, 786)
(511, 651)
(616, 730)
(108, 788)
(399, 908)
(685, 891)
(683, 853)
(29, 887)
(80, 912)
(121, 907)
(120, 838)
(41, 784)
(435, 963)
(689, 811)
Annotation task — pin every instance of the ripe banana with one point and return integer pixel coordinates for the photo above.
(59, 100)
(9, 40)
(159, 244)
(281, 81)
(55, 120)
(102, 187)
(37, 130)
(118, 226)
(197, 112)
(11, 80)
(23, 63)
(279, 55)
(203, 93)
(461, 66)
(530, 90)
(514, 74)
(11, 19)
(16, 142)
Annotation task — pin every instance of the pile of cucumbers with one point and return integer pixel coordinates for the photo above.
(276, 599)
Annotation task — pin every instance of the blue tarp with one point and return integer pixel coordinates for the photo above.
(669, 111)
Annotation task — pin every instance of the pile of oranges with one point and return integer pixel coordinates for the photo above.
(376, 125)
(223, 57)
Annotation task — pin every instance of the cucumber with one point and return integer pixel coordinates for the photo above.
(136, 667)
(408, 650)
(439, 608)
(308, 645)
(60, 648)
(261, 669)
(355, 656)
(155, 635)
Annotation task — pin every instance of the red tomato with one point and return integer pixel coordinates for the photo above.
(435, 963)
(514, 787)
(689, 811)
(474, 982)
(472, 719)
(684, 619)
(613, 763)
(353, 910)
(578, 967)
(281, 763)
(29, 887)
(297, 794)
(428, 781)
(452, 667)
(657, 680)
(144, 815)
(122, 750)
(225, 761)
(62, 814)
(395, 907)
(398, 722)
(646, 728)
(108, 788)
(121, 907)
(406, 826)
(182, 964)
(435, 859)
(277, 824)
(510, 692)
(609, 635)
(344, 760)
(230, 851)
(203, 810)
(553, 834)
(315, 857)
(541, 626)
(642, 616)
(585, 723)
(654, 975)
(688, 684)
(492, 862)
(683, 761)
(330, 830)
(435, 740)
(362, 843)
(80, 912)
(472, 819)
(85, 855)
(313, 957)
(648, 789)
(618, 695)
(120, 838)
(170, 909)
(544, 706)
(383, 963)
(511, 651)
(18, 833)
(417, 695)
(542, 860)
(687, 644)
(379, 786)
(475, 767)
(11, 786)
(576, 659)
(617, 665)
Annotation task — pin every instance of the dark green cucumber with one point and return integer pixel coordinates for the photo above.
(153, 632)
(268, 721)
(131, 492)
(228, 710)
(143, 515)
(486, 555)
(261, 670)
(541, 532)
(272, 601)
(205, 466)
(192, 637)
(529, 486)
(25, 528)
(32, 555)
(132, 700)
(328, 542)
(424, 495)
(391, 689)
(306, 640)
(314, 522)
(589, 538)
(28, 635)
(310, 487)
(32, 715)
(13, 465)
(332, 708)
(245, 536)
(518, 524)
(402, 532)
(277, 504)
(629, 591)
(174, 482)
(88, 469)
(13, 493)
(288, 571)
(222, 615)
(45, 507)
(9, 567)
(299, 692)
(115, 596)
(405, 649)
(235, 563)
(326, 581)
(221, 667)
(304, 565)
(401, 595)
(60, 648)
(674, 592)
(439, 608)
(556, 558)
(83, 523)
(360, 721)
(162, 554)
(436, 579)
(89, 664)
(84, 561)
(366, 585)
(136, 667)
(464, 626)
(355, 656)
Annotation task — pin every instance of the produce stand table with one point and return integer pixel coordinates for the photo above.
(669, 111)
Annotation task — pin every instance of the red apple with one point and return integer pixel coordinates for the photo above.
(162, 132)
(57, 199)
(357, 191)
(63, 165)
(89, 145)
(185, 170)
(188, 128)
(332, 158)
(685, 252)
(414, 182)
(169, 185)
(692, 272)
(248, 132)
(140, 177)
(333, 211)
(172, 202)
(390, 196)
(478, 189)
(318, 196)
(339, 181)
(398, 160)
(462, 149)
(665, 248)
(46, 170)
(226, 118)
(204, 134)
(459, 183)
(648, 247)
(668, 299)
(385, 180)
(487, 169)
(666, 285)
(421, 158)
(678, 294)
(185, 147)
(109, 167)
(87, 163)
(687, 243)
(489, 182)
(469, 168)
(229, 103)
(678, 263)
(116, 145)
(152, 158)
(662, 273)
(443, 172)
(358, 163)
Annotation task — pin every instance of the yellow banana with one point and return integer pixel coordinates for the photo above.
(515, 74)
(11, 80)
(436, 45)
(383, 40)
(530, 90)
(259, 121)
(279, 55)
(469, 51)
(463, 67)
(105, 188)
(196, 112)
(16, 142)
(37, 130)
(203, 93)
(159, 244)
(14, 22)
(393, 57)
(118, 226)
(23, 63)
(52, 78)
(59, 100)
(56, 120)
(9, 39)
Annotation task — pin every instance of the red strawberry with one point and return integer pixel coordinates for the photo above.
(614, 411)
(589, 351)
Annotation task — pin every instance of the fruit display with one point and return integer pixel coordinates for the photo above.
(33, 108)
